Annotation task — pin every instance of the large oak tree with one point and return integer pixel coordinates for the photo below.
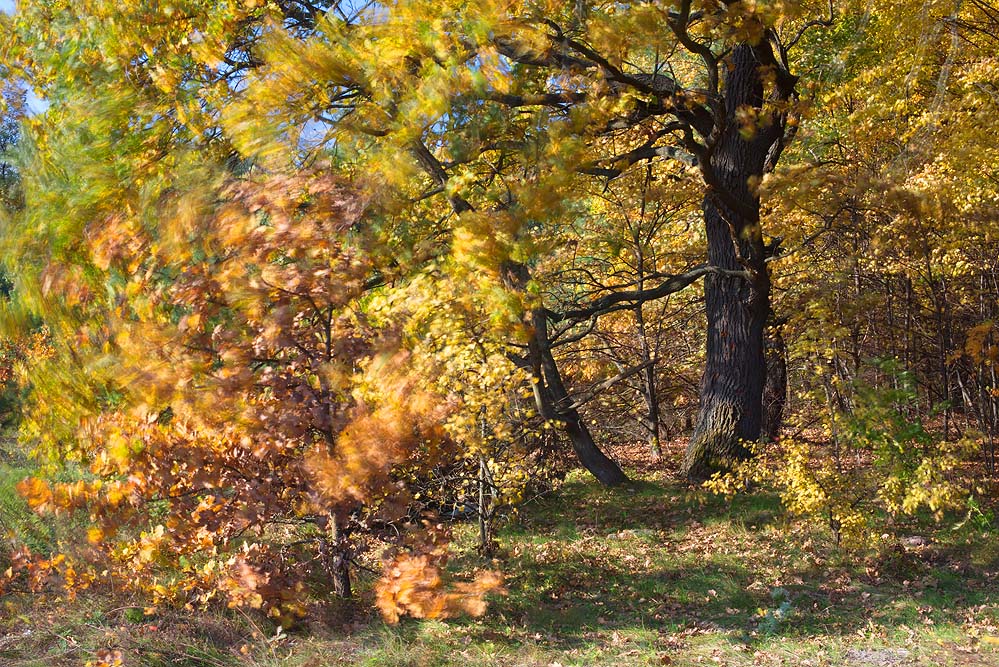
(510, 108)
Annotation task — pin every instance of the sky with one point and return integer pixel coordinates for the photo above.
(34, 104)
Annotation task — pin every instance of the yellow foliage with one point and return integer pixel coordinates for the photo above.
(852, 493)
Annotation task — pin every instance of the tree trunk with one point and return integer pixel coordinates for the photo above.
(737, 307)
(550, 394)
(339, 565)
(647, 384)
(485, 509)
(652, 408)
(555, 403)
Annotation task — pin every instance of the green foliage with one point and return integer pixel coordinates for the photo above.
(881, 425)
(979, 518)
(23, 530)
(863, 470)
(12, 102)
(134, 615)
(17, 520)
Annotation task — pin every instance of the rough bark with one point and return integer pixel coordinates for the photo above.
(731, 408)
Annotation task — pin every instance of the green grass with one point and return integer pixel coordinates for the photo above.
(648, 575)
(19, 525)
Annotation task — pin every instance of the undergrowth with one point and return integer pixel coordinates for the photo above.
(653, 573)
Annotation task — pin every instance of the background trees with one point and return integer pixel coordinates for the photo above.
(13, 110)
(891, 216)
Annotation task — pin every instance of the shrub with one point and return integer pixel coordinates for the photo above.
(860, 471)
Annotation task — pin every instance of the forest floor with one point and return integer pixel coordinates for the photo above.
(653, 574)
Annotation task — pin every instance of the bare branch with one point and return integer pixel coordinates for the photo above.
(678, 23)
(825, 23)
(631, 298)
(647, 151)
(536, 100)
(594, 391)
(436, 170)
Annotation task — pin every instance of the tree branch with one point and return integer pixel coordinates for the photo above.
(595, 390)
(437, 172)
(825, 23)
(647, 151)
(631, 298)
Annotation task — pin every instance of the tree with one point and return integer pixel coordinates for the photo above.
(635, 231)
(214, 364)
(885, 213)
(505, 107)
(510, 112)
(276, 238)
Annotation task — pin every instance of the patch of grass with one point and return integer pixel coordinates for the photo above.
(19, 524)
(16, 518)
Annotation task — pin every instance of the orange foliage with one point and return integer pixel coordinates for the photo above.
(27, 348)
(412, 584)
(41, 573)
(107, 658)
(407, 420)
(253, 394)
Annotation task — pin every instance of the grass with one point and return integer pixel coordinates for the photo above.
(652, 574)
